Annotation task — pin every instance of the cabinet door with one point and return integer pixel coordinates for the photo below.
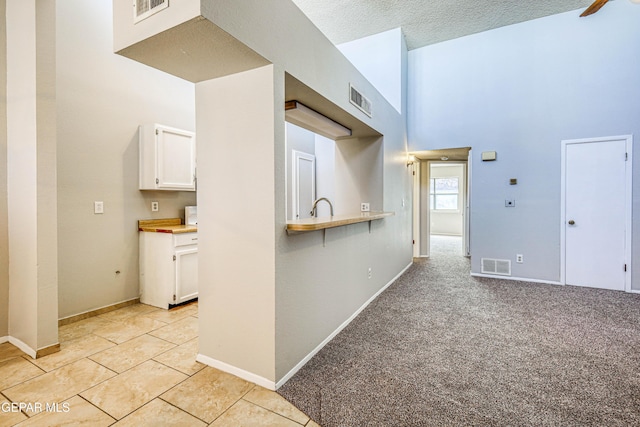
(176, 159)
(186, 274)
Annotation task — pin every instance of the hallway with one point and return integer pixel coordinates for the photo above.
(445, 245)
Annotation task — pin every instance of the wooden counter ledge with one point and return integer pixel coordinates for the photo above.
(169, 225)
(312, 224)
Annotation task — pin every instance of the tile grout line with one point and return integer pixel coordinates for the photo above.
(272, 411)
(183, 410)
(97, 407)
(231, 406)
(117, 375)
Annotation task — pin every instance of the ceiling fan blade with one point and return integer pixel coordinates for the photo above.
(595, 6)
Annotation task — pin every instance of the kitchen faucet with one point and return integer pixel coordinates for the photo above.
(314, 210)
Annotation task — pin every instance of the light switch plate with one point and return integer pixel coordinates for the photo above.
(98, 207)
(509, 203)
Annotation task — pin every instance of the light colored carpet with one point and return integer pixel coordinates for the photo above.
(440, 348)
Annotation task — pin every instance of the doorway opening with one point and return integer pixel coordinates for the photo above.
(441, 202)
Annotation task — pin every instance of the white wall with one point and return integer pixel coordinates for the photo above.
(4, 230)
(359, 174)
(379, 59)
(319, 287)
(520, 90)
(102, 98)
(325, 150)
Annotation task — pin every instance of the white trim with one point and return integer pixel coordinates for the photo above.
(240, 373)
(628, 203)
(308, 357)
(517, 279)
(634, 291)
(295, 180)
(22, 346)
(426, 208)
(415, 169)
(4, 339)
(466, 231)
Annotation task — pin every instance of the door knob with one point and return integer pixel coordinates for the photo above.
(571, 222)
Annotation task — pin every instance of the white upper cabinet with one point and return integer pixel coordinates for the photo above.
(167, 158)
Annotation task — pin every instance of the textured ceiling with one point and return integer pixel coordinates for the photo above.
(425, 22)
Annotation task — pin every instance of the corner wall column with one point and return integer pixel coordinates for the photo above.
(31, 175)
(236, 128)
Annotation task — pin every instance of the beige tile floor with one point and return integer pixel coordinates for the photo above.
(133, 367)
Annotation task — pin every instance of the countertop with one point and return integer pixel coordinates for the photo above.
(168, 225)
(311, 224)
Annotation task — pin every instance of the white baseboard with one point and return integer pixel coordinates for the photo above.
(241, 373)
(98, 309)
(519, 279)
(22, 346)
(271, 385)
(4, 339)
(308, 357)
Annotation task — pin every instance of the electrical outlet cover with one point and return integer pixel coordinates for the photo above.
(364, 207)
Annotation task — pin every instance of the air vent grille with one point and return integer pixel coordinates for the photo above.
(496, 266)
(359, 100)
(145, 8)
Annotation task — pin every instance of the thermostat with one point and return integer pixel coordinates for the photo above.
(488, 156)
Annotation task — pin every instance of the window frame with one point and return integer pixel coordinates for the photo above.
(433, 195)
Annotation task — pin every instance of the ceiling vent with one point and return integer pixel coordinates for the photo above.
(496, 266)
(143, 9)
(359, 100)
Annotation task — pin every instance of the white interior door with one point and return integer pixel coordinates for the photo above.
(597, 215)
(303, 184)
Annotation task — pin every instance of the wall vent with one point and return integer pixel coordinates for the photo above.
(143, 9)
(496, 266)
(359, 100)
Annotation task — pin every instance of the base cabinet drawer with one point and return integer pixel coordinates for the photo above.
(185, 239)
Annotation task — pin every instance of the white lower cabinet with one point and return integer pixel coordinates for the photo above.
(168, 268)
